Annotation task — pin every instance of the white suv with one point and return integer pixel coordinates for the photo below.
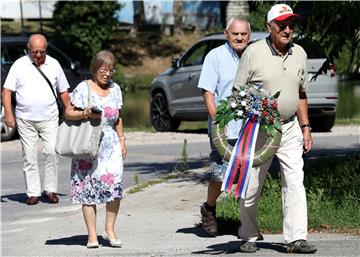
(175, 96)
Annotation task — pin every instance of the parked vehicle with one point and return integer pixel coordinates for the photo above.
(13, 48)
(175, 96)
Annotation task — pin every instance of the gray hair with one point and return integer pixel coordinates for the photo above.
(104, 57)
(231, 20)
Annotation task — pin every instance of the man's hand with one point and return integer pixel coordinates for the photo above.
(308, 142)
(10, 119)
(209, 99)
(8, 113)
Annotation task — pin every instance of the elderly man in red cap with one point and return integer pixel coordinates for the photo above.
(280, 65)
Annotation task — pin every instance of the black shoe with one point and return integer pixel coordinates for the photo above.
(300, 246)
(248, 247)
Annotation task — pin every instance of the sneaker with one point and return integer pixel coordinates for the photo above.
(208, 220)
(248, 247)
(300, 246)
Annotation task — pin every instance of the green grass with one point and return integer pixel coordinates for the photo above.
(180, 169)
(348, 121)
(333, 198)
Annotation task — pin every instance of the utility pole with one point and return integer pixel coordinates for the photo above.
(22, 19)
(40, 18)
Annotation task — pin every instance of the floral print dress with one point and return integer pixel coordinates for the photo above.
(99, 180)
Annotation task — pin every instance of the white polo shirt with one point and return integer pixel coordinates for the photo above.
(217, 76)
(34, 99)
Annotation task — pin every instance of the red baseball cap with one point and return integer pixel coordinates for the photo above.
(280, 12)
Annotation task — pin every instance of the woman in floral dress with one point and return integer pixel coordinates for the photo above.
(99, 180)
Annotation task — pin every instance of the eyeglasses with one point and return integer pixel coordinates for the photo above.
(105, 71)
(283, 26)
(39, 52)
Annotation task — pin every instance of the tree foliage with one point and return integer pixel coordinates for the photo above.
(86, 25)
(336, 25)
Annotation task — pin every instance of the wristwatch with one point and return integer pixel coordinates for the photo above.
(307, 125)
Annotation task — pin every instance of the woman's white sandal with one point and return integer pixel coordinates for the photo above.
(113, 242)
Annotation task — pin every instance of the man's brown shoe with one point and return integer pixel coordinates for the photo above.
(52, 197)
(209, 223)
(32, 200)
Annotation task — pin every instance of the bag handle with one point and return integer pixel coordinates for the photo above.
(47, 80)
(89, 93)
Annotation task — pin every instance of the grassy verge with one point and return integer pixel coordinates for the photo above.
(180, 169)
(333, 197)
(348, 121)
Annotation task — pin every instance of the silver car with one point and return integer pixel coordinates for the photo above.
(175, 96)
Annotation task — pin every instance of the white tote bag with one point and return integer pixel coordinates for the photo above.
(79, 139)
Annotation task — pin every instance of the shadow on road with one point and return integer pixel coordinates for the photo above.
(75, 240)
(22, 197)
(72, 240)
(232, 247)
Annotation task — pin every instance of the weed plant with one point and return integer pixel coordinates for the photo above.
(333, 199)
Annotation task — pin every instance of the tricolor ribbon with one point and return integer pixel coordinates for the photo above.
(241, 159)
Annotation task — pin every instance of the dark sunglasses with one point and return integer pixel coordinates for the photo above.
(283, 26)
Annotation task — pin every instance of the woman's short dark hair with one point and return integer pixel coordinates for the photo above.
(102, 58)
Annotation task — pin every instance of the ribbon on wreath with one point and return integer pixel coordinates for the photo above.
(241, 159)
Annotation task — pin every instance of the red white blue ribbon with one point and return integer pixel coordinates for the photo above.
(241, 159)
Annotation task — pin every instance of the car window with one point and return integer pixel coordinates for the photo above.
(10, 53)
(196, 55)
(62, 59)
(216, 43)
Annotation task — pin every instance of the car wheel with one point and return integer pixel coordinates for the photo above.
(7, 133)
(322, 124)
(160, 115)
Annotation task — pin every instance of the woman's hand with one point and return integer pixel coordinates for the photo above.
(123, 148)
(89, 114)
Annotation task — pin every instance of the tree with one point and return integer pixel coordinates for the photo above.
(86, 25)
(336, 25)
(139, 16)
(178, 11)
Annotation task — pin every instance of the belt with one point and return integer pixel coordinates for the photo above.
(292, 117)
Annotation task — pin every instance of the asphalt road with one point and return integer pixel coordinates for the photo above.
(149, 155)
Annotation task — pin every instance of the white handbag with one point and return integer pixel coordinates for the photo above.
(79, 139)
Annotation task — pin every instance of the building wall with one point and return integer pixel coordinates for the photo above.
(196, 13)
(10, 9)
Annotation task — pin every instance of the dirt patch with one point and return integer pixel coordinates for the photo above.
(150, 53)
